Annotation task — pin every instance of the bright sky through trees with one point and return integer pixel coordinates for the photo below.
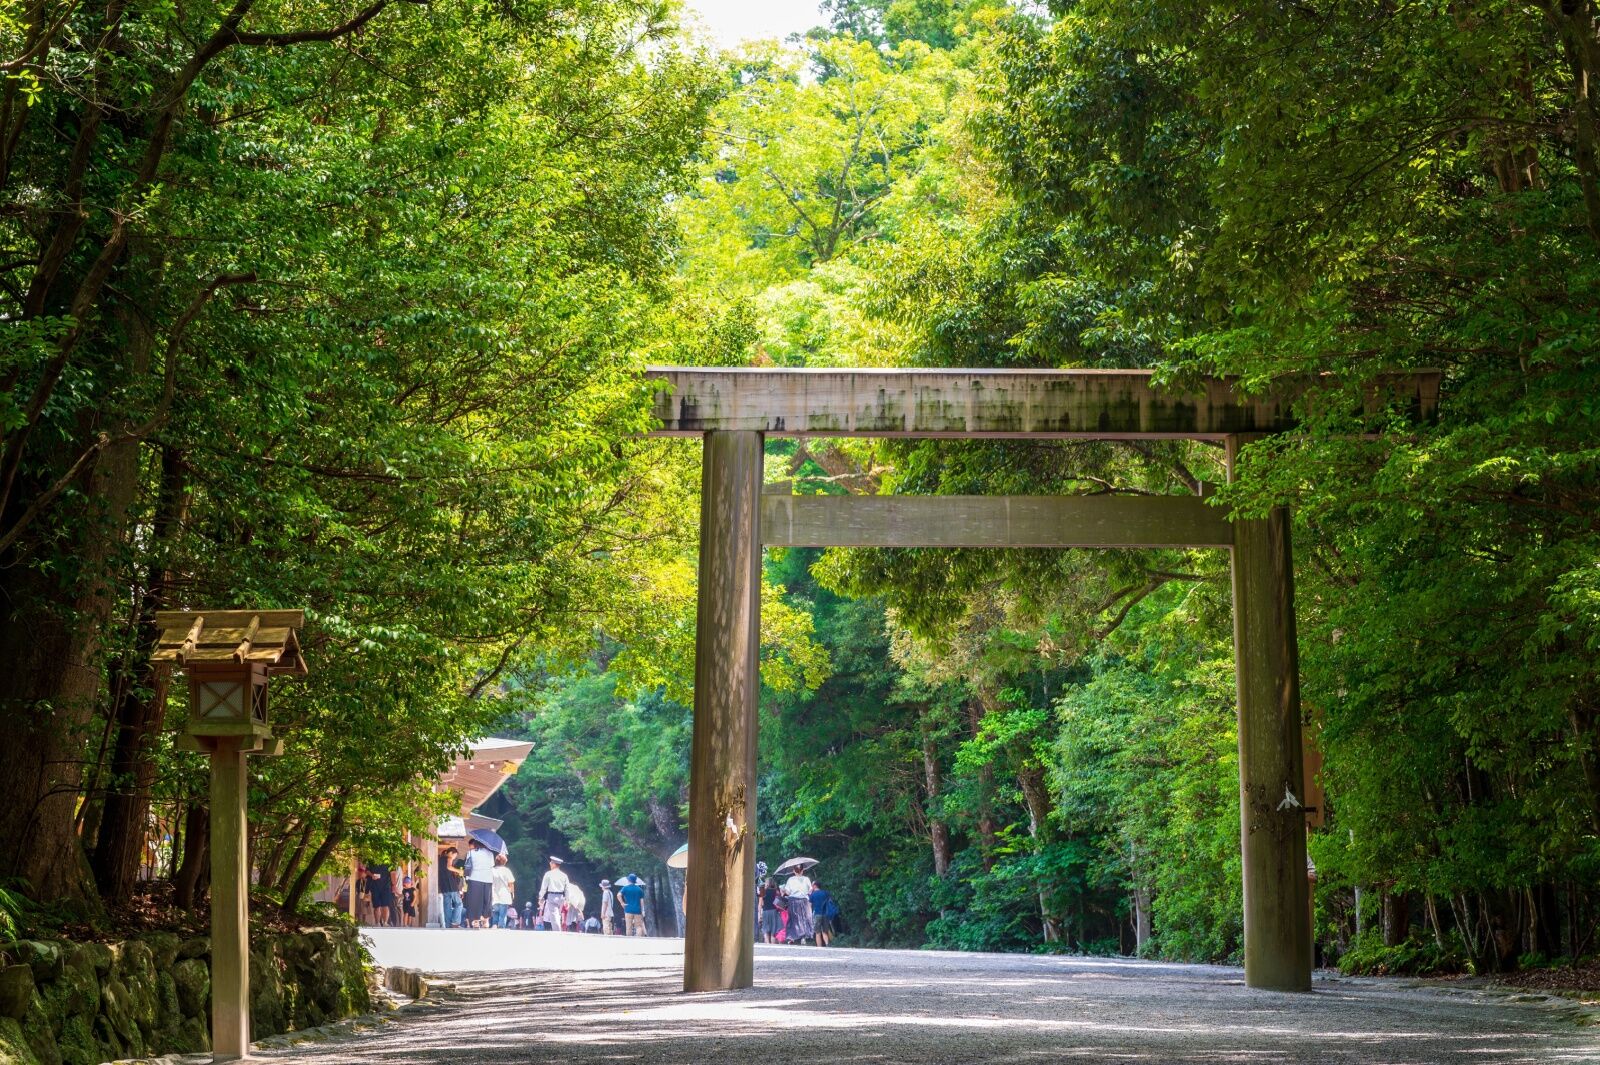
(731, 22)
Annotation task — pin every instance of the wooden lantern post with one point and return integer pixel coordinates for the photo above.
(229, 656)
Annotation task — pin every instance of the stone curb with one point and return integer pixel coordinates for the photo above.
(428, 997)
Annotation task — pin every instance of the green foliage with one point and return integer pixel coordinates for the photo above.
(365, 335)
(1368, 956)
(13, 906)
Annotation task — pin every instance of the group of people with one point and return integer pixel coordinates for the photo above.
(382, 902)
(797, 911)
(479, 890)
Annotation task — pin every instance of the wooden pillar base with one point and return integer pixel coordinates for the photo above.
(230, 898)
(719, 939)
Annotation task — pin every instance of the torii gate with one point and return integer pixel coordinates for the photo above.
(734, 409)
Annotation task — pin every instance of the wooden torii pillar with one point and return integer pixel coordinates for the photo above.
(719, 898)
(732, 409)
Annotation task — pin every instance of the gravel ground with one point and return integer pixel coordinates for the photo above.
(545, 997)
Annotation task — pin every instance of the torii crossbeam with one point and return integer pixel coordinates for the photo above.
(733, 409)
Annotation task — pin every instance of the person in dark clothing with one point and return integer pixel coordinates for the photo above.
(380, 888)
(771, 915)
(408, 903)
(450, 867)
(823, 911)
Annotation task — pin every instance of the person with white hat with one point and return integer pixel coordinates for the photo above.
(608, 920)
(553, 895)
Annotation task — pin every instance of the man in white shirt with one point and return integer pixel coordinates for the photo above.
(503, 890)
(553, 895)
(607, 920)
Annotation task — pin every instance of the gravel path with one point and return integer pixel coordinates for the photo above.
(543, 997)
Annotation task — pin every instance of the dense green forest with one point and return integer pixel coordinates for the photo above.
(347, 308)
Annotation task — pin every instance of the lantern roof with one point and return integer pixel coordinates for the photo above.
(199, 637)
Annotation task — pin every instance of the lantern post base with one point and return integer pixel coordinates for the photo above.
(230, 901)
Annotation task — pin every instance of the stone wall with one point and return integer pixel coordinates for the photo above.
(65, 1003)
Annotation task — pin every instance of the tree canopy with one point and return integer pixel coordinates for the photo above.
(348, 309)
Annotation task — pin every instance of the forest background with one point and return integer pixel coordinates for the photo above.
(346, 308)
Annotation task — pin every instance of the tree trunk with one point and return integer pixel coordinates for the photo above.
(196, 835)
(1396, 918)
(1432, 905)
(335, 836)
(675, 884)
(652, 919)
(938, 830)
(284, 880)
(988, 837)
(52, 640)
(1037, 797)
(142, 708)
(50, 679)
(1583, 737)
(1141, 919)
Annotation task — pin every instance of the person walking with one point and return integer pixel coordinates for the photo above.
(553, 896)
(380, 889)
(530, 916)
(363, 889)
(608, 921)
(408, 902)
(577, 903)
(502, 889)
(771, 917)
(797, 892)
(823, 911)
(450, 868)
(761, 878)
(480, 884)
(632, 894)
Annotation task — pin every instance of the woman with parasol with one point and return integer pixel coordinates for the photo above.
(482, 846)
(797, 893)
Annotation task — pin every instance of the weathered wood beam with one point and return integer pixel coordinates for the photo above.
(993, 521)
(999, 404)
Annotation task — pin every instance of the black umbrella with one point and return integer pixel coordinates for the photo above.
(489, 839)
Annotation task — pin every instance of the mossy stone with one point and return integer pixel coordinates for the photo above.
(120, 1014)
(100, 957)
(163, 948)
(193, 1036)
(45, 958)
(16, 991)
(77, 1043)
(14, 1048)
(268, 1015)
(192, 982)
(77, 992)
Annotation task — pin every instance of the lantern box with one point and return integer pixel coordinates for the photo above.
(229, 655)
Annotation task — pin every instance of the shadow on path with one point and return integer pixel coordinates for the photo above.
(610, 1001)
